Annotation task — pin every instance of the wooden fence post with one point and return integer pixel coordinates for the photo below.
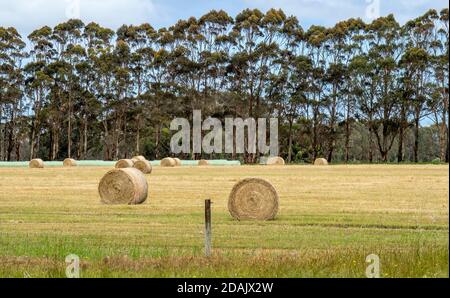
(208, 228)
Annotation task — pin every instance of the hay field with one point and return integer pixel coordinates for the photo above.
(330, 219)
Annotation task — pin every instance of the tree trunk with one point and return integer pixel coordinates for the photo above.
(50, 152)
(17, 150)
(384, 155)
(314, 142)
(85, 138)
(347, 133)
(138, 135)
(69, 131)
(370, 143)
(331, 143)
(416, 139)
(443, 136)
(2, 142)
(38, 144)
(10, 140)
(106, 141)
(400, 144)
(158, 138)
(5, 137)
(290, 142)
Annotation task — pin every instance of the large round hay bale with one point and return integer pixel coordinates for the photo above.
(36, 163)
(140, 157)
(69, 162)
(321, 162)
(123, 186)
(144, 166)
(168, 162)
(253, 199)
(124, 163)
(203, 162)
(275, 161)
(177, 162)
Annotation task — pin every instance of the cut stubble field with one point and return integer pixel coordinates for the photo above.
(330, 219)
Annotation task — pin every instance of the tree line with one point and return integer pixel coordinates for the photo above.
(353, 92)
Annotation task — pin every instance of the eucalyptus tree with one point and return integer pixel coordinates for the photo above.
(290, 73)
(140, 40)
(161, 87)
(316, 39)
(363, 85)
(439, 103)
(339, 47)
(122, 89)
(416, 61)
(384, 54)
(95, 77)
(84, 92)
(353, 37)
(255, 36)
(67, 38)
(11, 82)
(38, 82)
(246, 36)
(214, 27)
(340, 50)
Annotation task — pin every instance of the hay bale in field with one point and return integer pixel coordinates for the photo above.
(144, 166)
(168, 162)
(36, 163)
(203, 162)
(69, 162)
(321, 162)
(177, 162)
(253, 199)
(139, 157)
(124, 163)
(123, 186)
(275, 161)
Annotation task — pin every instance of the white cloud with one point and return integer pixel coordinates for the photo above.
(28, 15)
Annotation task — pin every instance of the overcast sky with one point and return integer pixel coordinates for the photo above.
(27, 15)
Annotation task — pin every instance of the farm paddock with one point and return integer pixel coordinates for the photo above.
(330, 218)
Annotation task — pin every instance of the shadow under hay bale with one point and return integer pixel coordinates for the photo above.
(275, 161)
(124, 163)
(144, 166)
(123, 186)
(253, 199)
(69, 162)
(321, 162)
(36, 163)
(168, 162)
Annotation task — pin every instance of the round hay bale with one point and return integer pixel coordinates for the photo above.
(253, 199)
(177, 162)
(123, 186)
(275, 161)
(69, 162)
(140, 157)
(168, 162)
(321, 162)
(144, 166)
(203, 162)
(124, 163)
(36, 163)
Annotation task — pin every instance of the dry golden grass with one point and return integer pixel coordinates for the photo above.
(334, 211)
